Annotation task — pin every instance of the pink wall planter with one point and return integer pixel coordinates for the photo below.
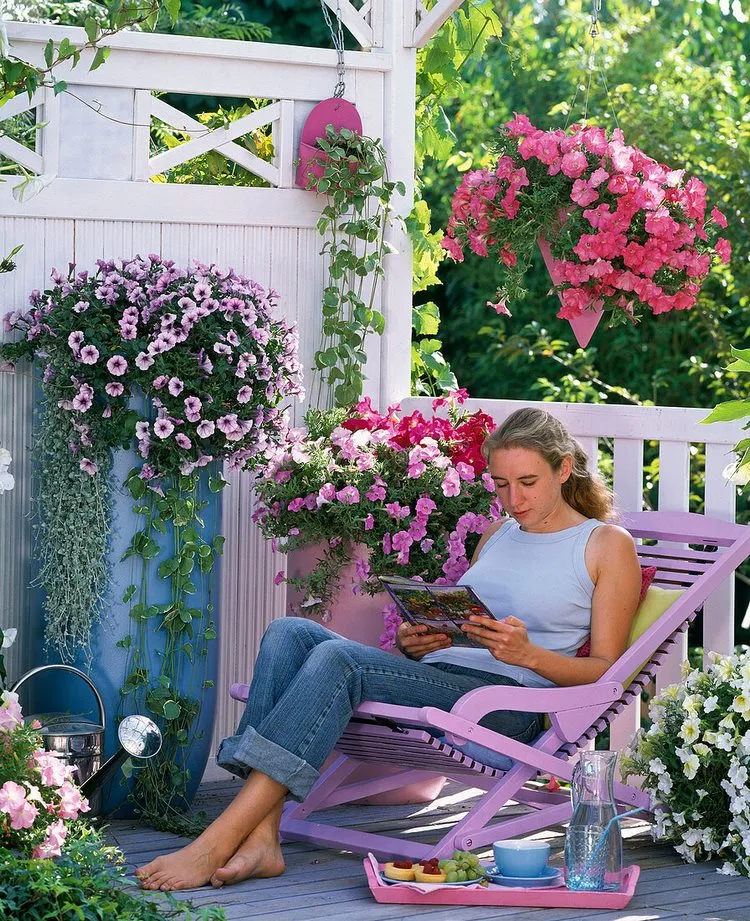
(359, 617)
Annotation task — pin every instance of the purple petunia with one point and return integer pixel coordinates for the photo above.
(89, 355)
(117, 365)
(206, 428)
(244, 394)
(143, 361)
(163, 428)
(183, 441)
(88, 466)
(227, 424)
(160, 382)
(175, 386)
(114, 389)
(75, 339)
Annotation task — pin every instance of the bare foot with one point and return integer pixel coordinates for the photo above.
(258, 857)
(187, 868)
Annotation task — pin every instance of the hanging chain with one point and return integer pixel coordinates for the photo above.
(337, 36)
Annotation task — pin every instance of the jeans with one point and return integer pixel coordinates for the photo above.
(306, 683)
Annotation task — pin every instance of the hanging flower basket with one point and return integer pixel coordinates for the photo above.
(621, 234)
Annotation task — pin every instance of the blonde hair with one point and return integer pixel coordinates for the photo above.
(537, 430)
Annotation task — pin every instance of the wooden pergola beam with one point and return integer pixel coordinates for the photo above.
(430, 22)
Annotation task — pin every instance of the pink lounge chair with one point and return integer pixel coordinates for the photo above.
(691, 552)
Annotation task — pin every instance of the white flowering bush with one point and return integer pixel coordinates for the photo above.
(695, 758)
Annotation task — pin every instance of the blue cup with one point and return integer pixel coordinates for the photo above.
(521, 858)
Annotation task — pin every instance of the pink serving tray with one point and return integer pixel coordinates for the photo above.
(560, 897)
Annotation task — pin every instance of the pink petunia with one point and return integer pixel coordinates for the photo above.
(724, 249)
(143, 361)
(183, 441)
(75, 340)
(54, 770)
(451, 485)
(71, 801)
(88, 466)
(117, 365)
(349, 495)
(89, 355)
(114, 389)
(206, 428)
(176, 386)
(369, 522)
(163, 428)
(574, 164)
(244, 394)
(10, 711)
(160, 382)
(54, 839)
(13, 803)
(718, 217)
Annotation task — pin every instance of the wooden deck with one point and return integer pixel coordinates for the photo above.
(331, 884)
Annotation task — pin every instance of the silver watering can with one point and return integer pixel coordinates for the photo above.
(80, 743)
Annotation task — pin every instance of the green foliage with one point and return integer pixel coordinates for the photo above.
(354, 222)
(213, 168)
(732, 410)
(72, 527)
(88, 883)
(160, 790)
(210, 20)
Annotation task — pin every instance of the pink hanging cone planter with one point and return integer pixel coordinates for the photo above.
(585, 324)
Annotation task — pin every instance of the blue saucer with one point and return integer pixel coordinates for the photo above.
(548, 880)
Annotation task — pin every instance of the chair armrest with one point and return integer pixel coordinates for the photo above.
(476, 704)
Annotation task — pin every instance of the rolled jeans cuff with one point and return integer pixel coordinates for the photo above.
(251, 751)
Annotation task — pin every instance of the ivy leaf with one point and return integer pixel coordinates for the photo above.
(209, 633)
(136, 487)
(99, 58)
(49, 51)
(172, 710)
(150, 549)
(129, 592)
(168, 567)
(426, 319)
(218, 544)
(216, 484)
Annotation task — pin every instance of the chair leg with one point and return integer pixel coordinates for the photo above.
(325, 785)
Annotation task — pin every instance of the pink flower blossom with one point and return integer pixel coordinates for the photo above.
(54, 838)
(71, 801)
(718, 217)
(143, 361)
(75, 340)
(88, 466)
(369, 522)
(89, 355)
(10, 711)
(183, 441)
(114, 389)
(163, 428)
(244, 394)
(724, 249)
(160, 382)
(13, 803)
(175, 386)
(279, 577)
(54, 770)
(451, 485)
(500, 308)
(349, 495)
(375, 493)
(206, 428)
(573, 163)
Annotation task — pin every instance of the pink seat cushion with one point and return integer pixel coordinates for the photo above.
(647, 577)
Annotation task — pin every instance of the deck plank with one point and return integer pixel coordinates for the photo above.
(325, 883)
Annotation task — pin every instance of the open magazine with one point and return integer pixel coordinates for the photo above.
(442, 608)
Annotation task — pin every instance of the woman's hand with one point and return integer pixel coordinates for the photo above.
(414, 640)
(506, 639)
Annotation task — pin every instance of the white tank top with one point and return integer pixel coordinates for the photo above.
(542, 580)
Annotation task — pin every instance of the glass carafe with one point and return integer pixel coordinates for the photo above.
(592, 793)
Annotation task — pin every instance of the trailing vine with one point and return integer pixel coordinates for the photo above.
(173, 693)
(354, 221)
(72, 528)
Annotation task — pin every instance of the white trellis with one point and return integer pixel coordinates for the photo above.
(93, 150)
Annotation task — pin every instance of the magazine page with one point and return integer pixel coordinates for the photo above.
(442, 608)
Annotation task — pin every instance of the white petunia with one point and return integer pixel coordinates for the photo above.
(9, 637)
(665, 784)
(710, 703)
(701, 750)
(724, 741)
(690, 768)
(726, 869)
(657, 766)
(691, 730)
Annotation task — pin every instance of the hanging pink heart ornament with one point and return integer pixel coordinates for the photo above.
(339, 113)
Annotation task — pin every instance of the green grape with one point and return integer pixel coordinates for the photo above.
(461, 876)
(451, 876)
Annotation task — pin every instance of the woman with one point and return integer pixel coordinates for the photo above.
(553, 573)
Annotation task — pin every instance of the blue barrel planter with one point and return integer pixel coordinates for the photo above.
(108, 664)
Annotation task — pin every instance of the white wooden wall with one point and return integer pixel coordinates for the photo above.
(97, 202)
